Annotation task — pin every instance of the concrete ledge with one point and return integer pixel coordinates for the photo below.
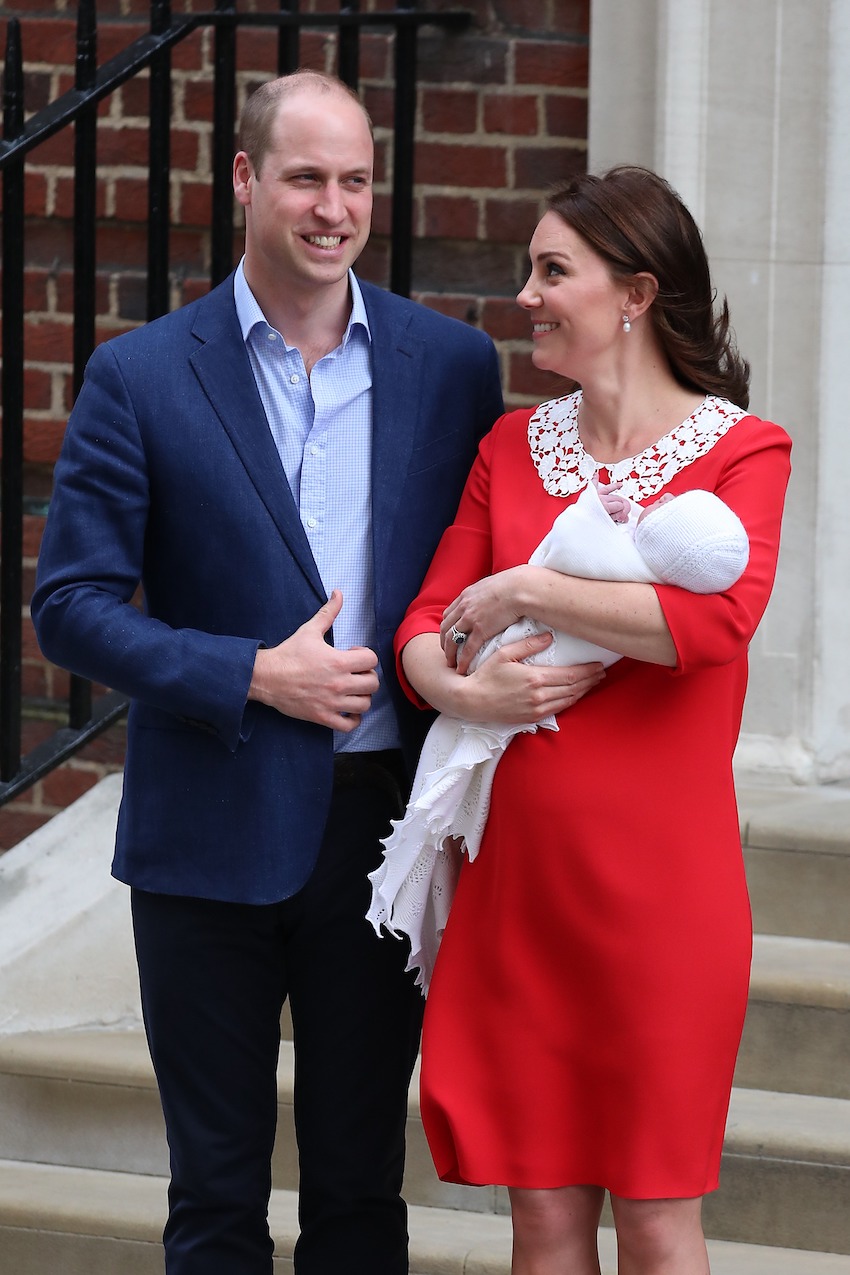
(113, 1221)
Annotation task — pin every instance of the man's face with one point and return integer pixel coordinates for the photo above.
(308, 212)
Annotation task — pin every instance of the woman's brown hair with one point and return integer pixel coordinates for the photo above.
(637, 223)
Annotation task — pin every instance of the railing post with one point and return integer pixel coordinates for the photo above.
(288, 41)
(401, 243)
(224, 113)
(159, 168)
(12, 462)
(349, 45)
(85, 214)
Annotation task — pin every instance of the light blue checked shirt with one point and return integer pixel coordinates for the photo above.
(322, 428)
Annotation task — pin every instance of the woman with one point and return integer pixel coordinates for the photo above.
(589, 995)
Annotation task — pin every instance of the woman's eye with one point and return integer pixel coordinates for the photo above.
(553, 269)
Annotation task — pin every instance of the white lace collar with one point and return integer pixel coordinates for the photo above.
(565, 467)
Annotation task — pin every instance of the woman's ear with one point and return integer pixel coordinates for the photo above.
(642, 292)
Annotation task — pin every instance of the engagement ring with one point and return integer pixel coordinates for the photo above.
(456, 636)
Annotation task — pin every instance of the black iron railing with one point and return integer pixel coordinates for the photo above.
(77, 110)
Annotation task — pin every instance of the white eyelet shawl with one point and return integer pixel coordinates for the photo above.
(566, 468)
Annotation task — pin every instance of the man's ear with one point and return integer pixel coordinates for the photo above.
(243, 178)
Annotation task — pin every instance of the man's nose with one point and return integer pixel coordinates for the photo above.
(330, 204)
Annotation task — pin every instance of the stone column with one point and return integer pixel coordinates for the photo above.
(745, 109)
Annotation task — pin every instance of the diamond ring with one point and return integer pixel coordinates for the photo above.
(456, 636)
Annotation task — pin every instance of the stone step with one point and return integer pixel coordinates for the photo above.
(89, 1100)
(797, 1033)
(94, 1222)
(797, 851)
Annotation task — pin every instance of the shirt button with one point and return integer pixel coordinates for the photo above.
(272, 336)
(314, 451)
(294, 378)
(311, 522)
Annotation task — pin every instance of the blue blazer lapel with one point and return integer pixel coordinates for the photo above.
(222, 367)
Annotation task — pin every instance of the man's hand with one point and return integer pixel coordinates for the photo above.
(306, 678)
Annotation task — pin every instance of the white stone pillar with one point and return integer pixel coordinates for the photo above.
(745, 108)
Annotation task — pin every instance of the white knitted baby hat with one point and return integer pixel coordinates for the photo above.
(694, 541)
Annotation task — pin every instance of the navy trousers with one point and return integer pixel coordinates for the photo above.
(214, 977)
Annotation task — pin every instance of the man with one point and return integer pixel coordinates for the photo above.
(275, 464)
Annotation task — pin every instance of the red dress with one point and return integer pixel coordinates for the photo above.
(589, 994)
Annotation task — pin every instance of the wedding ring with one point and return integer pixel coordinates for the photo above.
(456, 636)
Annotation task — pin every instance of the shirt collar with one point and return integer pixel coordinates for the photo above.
(249, 314)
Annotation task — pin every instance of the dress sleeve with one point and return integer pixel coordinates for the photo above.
(753, 467)
(464, 554)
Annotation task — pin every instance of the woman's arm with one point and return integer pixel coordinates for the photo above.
(621, 616)
(503, 688)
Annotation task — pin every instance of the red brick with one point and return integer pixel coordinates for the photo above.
(34, 679)
(121, 246)
(450, 217)
(448, 59)
(42, 440)
(38, 87)
(465, 308)
(527, 15)
(63, 202)
(188, 55)
(64, 786)
(256, 50)
(197, 100)
(133, 98)
(511, 220)
(536, 168)
(35, 288)
(195, 199)
(113, 38)
(50, 40)
(449, 111)
(525, 379)
(131, 199)
(566, 116)
(517, 116)
(194, 288)
(374, 262)
(569, 17)
(380, 103)
(504, 320)
(382, 215)
(551, 62)
(35, 194)
(37, 389)
(16, 823)
(33, 531)
(375, 57)
(47, 341)
(445, 165)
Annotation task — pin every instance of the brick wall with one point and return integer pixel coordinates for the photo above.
(501, 114)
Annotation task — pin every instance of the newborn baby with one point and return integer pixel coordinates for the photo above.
(692, 540)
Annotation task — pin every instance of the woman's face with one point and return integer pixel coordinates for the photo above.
(576, 306)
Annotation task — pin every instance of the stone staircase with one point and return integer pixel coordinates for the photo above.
(83, 1157)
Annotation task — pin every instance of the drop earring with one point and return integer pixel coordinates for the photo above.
(627, 327)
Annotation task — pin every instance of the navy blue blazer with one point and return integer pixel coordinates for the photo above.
(169, 476)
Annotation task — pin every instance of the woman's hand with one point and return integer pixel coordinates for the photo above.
(480, 612)
(503, 688)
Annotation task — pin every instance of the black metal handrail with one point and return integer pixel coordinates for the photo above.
(77, 109)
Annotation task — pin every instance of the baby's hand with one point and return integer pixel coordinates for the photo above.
(615, 505)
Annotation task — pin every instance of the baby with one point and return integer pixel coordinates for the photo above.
(692, 540)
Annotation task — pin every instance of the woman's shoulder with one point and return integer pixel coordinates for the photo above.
(749, 431)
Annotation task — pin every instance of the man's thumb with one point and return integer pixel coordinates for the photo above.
(326, 614)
